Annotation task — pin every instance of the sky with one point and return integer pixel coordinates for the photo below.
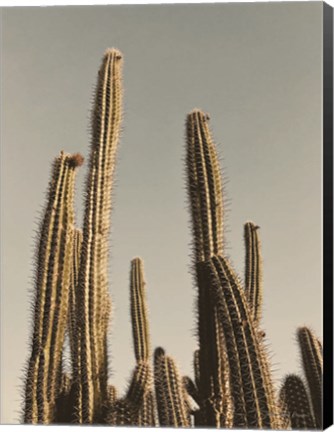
(257, 70)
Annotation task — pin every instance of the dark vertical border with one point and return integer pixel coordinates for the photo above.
(328, 212)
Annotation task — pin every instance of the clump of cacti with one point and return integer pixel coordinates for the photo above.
(232, 385)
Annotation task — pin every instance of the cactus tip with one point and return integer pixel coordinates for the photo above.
(159, 352)
(113, 52)
(76, 160)
(198, 112)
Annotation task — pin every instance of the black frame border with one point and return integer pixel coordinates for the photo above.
(328, 213)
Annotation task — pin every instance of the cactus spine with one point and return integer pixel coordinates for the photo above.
(52, 288)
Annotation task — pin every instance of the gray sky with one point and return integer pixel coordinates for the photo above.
(256, 68)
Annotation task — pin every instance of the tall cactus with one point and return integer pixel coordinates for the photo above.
(52, 288)
(234, 371)
(205, 196)
(93, 294)
(232, 384)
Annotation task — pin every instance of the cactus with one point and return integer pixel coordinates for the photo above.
(232, 384)
(93, 295)
(253, 270)
(206, 203)
(233, 369)
(312, 361)
(294, 395)
(251, 387)
(295, 400)
(137, 407)
(171, 397)
(145, 415)
(52, 288)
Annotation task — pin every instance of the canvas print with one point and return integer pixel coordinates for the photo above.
(162, 216)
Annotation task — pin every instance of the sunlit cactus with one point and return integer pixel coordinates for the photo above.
(137, 407)
(52, 283)
(93, 294)
(232, 386)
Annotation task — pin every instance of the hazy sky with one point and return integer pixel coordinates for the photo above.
(256, 68)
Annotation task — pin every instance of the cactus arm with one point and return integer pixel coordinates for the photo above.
(170, 394)
(143, 409)
(52, 287)
(139, 318)
(313, 367)
(253, 270)
(296, 404)
(94, 302)
(247, 359)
